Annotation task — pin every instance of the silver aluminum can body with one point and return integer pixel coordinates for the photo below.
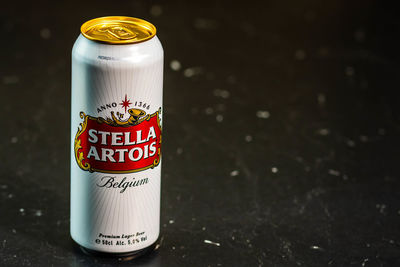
(115, 133)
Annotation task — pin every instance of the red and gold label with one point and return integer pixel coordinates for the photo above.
(115, 146)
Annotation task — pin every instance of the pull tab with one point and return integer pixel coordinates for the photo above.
(118, 32)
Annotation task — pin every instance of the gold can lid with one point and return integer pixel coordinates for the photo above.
(118, 30)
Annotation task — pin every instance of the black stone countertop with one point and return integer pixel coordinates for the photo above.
(281, 132)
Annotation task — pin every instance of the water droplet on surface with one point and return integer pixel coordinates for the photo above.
(300, 54)
(175, 65)
(156, 10)
(263, 114)
(235, 173)
(45, 33)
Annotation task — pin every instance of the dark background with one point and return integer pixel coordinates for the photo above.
(281, 132)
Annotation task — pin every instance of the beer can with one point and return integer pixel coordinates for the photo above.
(117, 81)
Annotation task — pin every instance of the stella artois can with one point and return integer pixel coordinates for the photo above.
(117, 80)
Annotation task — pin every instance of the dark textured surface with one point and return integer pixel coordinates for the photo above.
(281, 133)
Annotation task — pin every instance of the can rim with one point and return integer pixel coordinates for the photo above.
(139, 23)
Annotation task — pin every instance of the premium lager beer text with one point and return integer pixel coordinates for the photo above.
(117, 77)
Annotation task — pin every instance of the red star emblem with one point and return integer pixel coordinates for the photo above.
(125, 103)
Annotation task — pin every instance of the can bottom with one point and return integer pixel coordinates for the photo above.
(125, 256)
